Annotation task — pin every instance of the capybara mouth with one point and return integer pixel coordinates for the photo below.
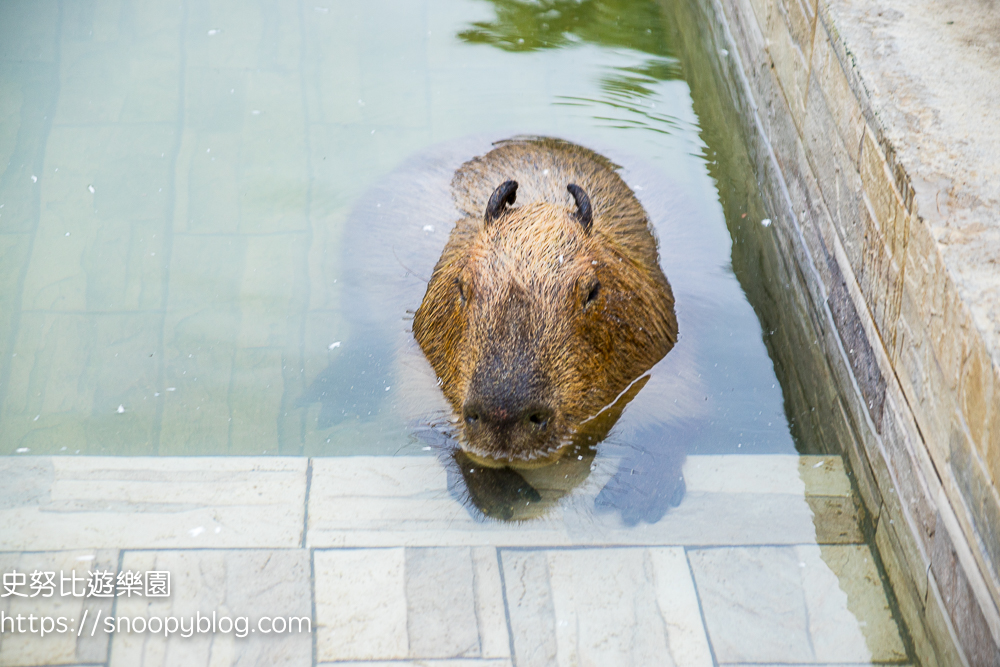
(491, 453)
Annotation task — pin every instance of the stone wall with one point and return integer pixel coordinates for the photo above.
(879, 171)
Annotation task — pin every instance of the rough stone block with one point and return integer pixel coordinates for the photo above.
(420, 663)
(944, 636)
(980, 499)
(993, 453)
(879, 185)
(441, 603)
(791, 62)
(910, 496)
(910, 591)
(977, 390)
(800, 15)
(361, 608)
(494, 637)
(960, 601)
(836, 92)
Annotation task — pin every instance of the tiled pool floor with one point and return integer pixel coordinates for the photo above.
(762, 563)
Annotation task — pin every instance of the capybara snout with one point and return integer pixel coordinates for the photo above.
(547, 302)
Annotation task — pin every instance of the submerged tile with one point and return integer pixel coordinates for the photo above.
(803, 604)
(836, 520)
(103, 502)
(405, 501)
(57, 353)
(754, 606)
(603, 606)
(855, 581)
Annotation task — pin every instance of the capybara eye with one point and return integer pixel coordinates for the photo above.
(592, 294)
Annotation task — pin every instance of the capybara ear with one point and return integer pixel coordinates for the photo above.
(583, 211)
(504, 195)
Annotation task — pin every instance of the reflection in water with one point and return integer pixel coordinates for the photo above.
(529, 26)
(517, 495)
(637, 26)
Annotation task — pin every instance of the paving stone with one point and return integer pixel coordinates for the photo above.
(104, 502)
(249, 584)
(361, 607)
(494, 637)
(795, 604)
(57, 648)
(753, 603)
(559, 603)
(422, 663)
(409, 604)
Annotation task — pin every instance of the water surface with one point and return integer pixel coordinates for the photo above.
(179, 179)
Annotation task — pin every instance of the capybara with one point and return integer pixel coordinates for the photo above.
(539, 324)
(548, 300)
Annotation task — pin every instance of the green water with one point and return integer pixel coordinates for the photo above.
(177, 180)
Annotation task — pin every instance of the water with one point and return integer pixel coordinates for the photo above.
(178, 253)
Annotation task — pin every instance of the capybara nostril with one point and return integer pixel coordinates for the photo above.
(471, 413)
(537, 416)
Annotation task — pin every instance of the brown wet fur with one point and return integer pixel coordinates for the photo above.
(511, 322)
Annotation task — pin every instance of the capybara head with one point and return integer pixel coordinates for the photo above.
(538, 316)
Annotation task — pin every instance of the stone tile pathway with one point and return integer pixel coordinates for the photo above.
(762, 563)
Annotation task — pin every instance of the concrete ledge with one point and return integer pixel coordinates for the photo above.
(872, 128)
